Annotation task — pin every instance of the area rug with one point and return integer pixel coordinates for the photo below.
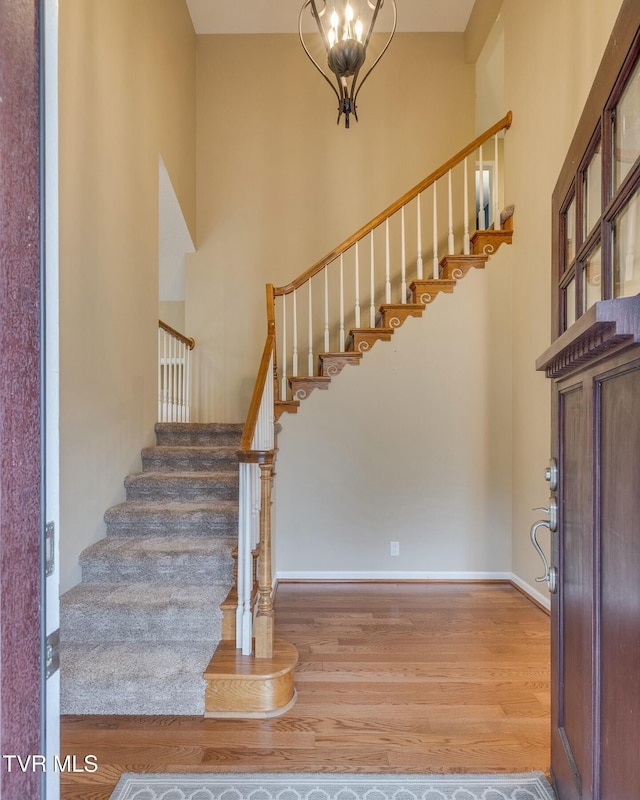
(222, 786)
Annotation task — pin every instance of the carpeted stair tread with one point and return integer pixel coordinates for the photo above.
(138, 632)
(200, 560)
(204, 433)
(142, 612)
(152, 517)
(133, 677)
(189, 459)
(191, 486)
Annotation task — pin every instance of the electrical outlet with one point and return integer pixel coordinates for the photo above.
(394, 548)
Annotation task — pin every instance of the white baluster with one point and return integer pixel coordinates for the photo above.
(436, 264)
(285, 385)
(183, 358)
(294, 366)
(341, 303)
(187, 397)
(172, 390)
(451, 242)
(419, 259)
(387, 282)
(255, 503)
(372, 307)
(268, 409)
(179, 379)
(356, 311)
(403, 260)
(246, 567)
(165, 377)
(466, 247)
(326, 310)
(481, 217)
(496, 187)
(160, 375)
(242, 526)
(310, 361)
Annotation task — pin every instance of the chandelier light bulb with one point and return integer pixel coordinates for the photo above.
(335, 19)
(359, 29)
(348, 12)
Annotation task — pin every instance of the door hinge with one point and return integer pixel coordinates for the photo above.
(52, 653)
(49, 549)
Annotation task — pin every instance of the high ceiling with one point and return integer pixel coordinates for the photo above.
(281, 16)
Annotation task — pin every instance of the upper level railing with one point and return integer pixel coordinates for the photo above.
(174, 374)
(376, 265)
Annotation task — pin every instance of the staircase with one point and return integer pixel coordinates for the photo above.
(138, 632)
(391, 316)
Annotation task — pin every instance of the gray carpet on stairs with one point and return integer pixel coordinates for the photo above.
(139, 630)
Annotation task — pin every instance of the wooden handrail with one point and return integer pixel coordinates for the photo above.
(503, 124)
(191, 343)
(245, 452)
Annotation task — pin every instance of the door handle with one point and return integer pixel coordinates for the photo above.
(550, 573)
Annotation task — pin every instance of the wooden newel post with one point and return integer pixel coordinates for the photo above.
(264, 623)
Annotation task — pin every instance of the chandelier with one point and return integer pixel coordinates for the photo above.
(346, 41)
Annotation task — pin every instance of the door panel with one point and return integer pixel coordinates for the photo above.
(619, 650)
(572, 742)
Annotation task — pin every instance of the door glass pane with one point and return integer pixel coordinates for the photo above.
(593, 191)
(626, 249)
(592, 278)
(626, 128)
(570, 303)
(570, 233)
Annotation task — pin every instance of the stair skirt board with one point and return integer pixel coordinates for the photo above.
(400, 576)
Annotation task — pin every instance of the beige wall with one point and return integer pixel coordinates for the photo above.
(552, 52)
(172, 312)
(280, 184)
(411, 446)
(384, 455)
(126, 95)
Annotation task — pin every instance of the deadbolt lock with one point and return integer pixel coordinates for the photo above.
(551, 474)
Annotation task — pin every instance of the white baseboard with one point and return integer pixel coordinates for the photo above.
(391, 575)
(539, 597)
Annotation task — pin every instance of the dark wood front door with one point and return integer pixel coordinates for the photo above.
(594, 365)
(596, 609)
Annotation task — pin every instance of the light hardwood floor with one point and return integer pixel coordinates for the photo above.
(392, 678)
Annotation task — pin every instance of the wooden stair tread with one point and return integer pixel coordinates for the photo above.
(228, 661)
(285, 406)
(319, 380)
(457, 266)
(332, 364)
(462, 258)
(488, 242)
(303, 385)
(363, 339)
(427, 289)
(400, 306)
(246, 687)
(392, 315)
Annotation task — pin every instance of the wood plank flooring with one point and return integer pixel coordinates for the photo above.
(392, 678)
